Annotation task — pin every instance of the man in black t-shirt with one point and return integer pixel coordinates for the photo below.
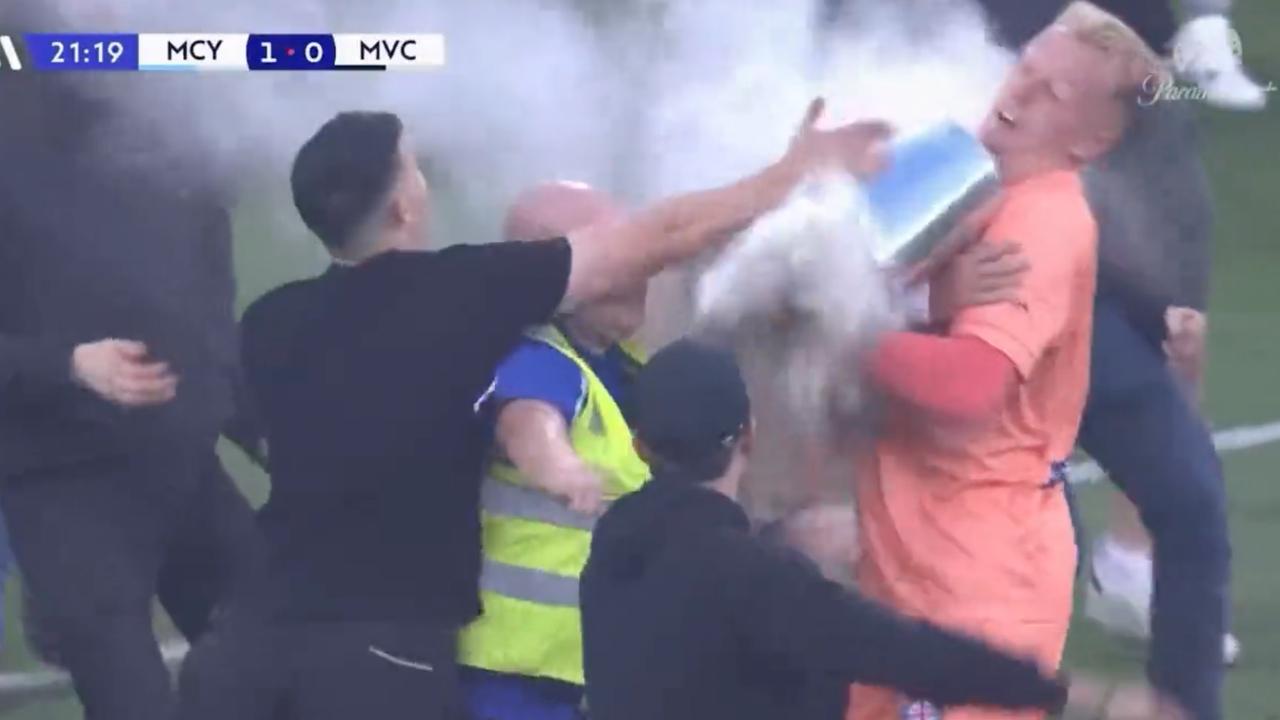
(369, 381)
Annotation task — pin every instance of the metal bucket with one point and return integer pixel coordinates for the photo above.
(933, 180)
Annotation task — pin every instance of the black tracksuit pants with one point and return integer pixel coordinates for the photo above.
(256, 668)
(97, 541)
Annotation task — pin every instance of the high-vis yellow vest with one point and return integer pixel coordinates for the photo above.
(535, 547)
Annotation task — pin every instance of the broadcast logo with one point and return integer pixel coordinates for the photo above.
(9, 58)
(1192, 59)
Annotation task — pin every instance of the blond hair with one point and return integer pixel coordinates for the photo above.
(1135, 62)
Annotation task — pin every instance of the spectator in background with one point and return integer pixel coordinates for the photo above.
(108, 477)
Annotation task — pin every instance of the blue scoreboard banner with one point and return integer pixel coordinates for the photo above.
(220, 51)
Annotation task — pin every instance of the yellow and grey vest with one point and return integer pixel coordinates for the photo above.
(535, 547)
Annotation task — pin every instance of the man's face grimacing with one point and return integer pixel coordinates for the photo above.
(1062, 105)
(558, 208)
(410, 197)
(617, 316)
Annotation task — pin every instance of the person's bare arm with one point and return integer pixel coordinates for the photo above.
(535, 438)
(606, 256)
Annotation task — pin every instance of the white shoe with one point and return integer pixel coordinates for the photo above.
(1207, 51)
(1119, 593)
(1118, 597)
(1233, 90)
(1230, 650)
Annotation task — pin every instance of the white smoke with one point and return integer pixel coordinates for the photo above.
(736, 77)
(646, 97)
(526, 93)
(800, 288)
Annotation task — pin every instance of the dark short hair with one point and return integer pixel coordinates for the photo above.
(344, 172)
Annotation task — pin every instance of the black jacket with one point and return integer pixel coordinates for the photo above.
(686, 615)
(105, 231)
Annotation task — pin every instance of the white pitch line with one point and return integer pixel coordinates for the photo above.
(1238, 438)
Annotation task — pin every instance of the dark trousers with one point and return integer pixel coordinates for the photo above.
(1142, 430)
(96, 542)
(254, 669)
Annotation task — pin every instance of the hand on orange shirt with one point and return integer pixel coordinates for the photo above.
(982, 274)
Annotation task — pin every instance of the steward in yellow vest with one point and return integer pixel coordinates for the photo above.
(563, 450)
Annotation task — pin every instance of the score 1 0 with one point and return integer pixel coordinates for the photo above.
(292, 52)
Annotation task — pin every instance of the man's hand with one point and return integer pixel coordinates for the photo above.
(982, 274)
(1185, 343)
(859, 148)
(579, 486)
(118, 371)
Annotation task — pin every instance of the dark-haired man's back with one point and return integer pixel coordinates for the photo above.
(368, 380)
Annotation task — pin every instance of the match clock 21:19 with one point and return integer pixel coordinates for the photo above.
(83, 52)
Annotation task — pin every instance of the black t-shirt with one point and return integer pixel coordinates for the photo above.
(369, 382)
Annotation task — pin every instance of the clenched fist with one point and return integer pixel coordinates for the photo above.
(580, 488)
(120, 372)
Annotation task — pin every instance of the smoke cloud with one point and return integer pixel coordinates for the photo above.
(733, 83)
(644, 97)
(526, 94)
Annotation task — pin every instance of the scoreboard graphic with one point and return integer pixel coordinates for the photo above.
(220, 52)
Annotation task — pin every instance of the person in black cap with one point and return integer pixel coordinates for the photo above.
(687, 615)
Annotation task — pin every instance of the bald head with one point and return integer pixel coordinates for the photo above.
(555, 209)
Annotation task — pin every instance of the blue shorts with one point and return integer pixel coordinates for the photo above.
(496, 696)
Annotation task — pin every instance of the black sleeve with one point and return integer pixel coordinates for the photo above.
(244, 427)
(32, 369)
(790, 609)
(509, 286)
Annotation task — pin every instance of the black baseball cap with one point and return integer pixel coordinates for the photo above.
(691, 406)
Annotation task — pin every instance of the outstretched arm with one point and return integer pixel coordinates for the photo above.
(607, 256)
(960, 378)
(788, 608)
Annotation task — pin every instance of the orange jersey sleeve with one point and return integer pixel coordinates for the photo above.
(1049, 219)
